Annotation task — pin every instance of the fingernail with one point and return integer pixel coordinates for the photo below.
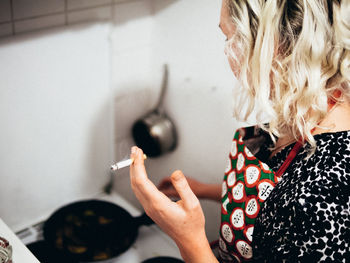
(177, 175)
(133, 149)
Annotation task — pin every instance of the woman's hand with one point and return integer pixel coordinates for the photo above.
(183, 220)
(201, 190)
(167, 187)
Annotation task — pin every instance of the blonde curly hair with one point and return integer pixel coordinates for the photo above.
(293, 56)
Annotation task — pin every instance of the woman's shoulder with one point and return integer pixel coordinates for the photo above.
(333, 152)
(326, 173)
(335, 143)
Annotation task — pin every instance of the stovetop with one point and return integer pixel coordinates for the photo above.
(151, 241)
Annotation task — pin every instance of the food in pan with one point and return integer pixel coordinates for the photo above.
(104, 221)
(59, 239)
(89, 213)
(101, 255)
(89, 231)
(83, 231)
(77, 249)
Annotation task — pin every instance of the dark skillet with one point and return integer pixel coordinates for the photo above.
(44, 253)
(163, 260)
(92, 230)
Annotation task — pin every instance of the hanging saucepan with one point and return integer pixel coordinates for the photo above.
(155, 133)
(90, 231)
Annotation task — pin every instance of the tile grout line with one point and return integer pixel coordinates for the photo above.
(12, 18)
(56, 13)
(38, 29)
(65, 12)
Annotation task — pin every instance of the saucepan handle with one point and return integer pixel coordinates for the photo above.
(143, 220)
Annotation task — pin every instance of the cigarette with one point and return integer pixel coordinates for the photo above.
(125, 163)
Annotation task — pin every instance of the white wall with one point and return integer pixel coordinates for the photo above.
(199, 99)
(69, 97)
(55, 120)
(63, 98)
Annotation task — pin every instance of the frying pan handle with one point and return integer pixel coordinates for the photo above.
(143, 219)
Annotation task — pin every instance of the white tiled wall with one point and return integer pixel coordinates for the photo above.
(5, 29)
(134, 79)
(5, 11)
(57, 91)
(19, 16)
(23, 9)
(199, 97)
(133, 75)
(97, 13)
(79, 4)
(55, 120)
(37, 23)
(142, 36)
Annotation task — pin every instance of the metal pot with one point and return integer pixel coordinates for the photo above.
(155, 133)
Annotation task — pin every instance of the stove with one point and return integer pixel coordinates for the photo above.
(151, 241)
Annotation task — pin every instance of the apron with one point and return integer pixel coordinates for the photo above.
(247, 183)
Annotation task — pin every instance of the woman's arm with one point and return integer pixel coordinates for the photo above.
(201, 190)
(183, 220)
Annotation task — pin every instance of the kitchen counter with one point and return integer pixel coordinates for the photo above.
(20, 253)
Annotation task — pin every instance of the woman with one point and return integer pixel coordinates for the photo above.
(293, 61)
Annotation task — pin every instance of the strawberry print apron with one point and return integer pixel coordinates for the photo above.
(246, 185)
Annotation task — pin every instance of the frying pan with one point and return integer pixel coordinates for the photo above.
(163, 260)
(44, 253)
(91, 230)
(155, 133)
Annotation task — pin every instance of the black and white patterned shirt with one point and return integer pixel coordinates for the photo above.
(306, 218)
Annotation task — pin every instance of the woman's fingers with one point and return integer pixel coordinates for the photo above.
(170, 192)
(165, 183)
(146, 192)
(167, 188)
(138, 176)
(137, 156)
(181, 185)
